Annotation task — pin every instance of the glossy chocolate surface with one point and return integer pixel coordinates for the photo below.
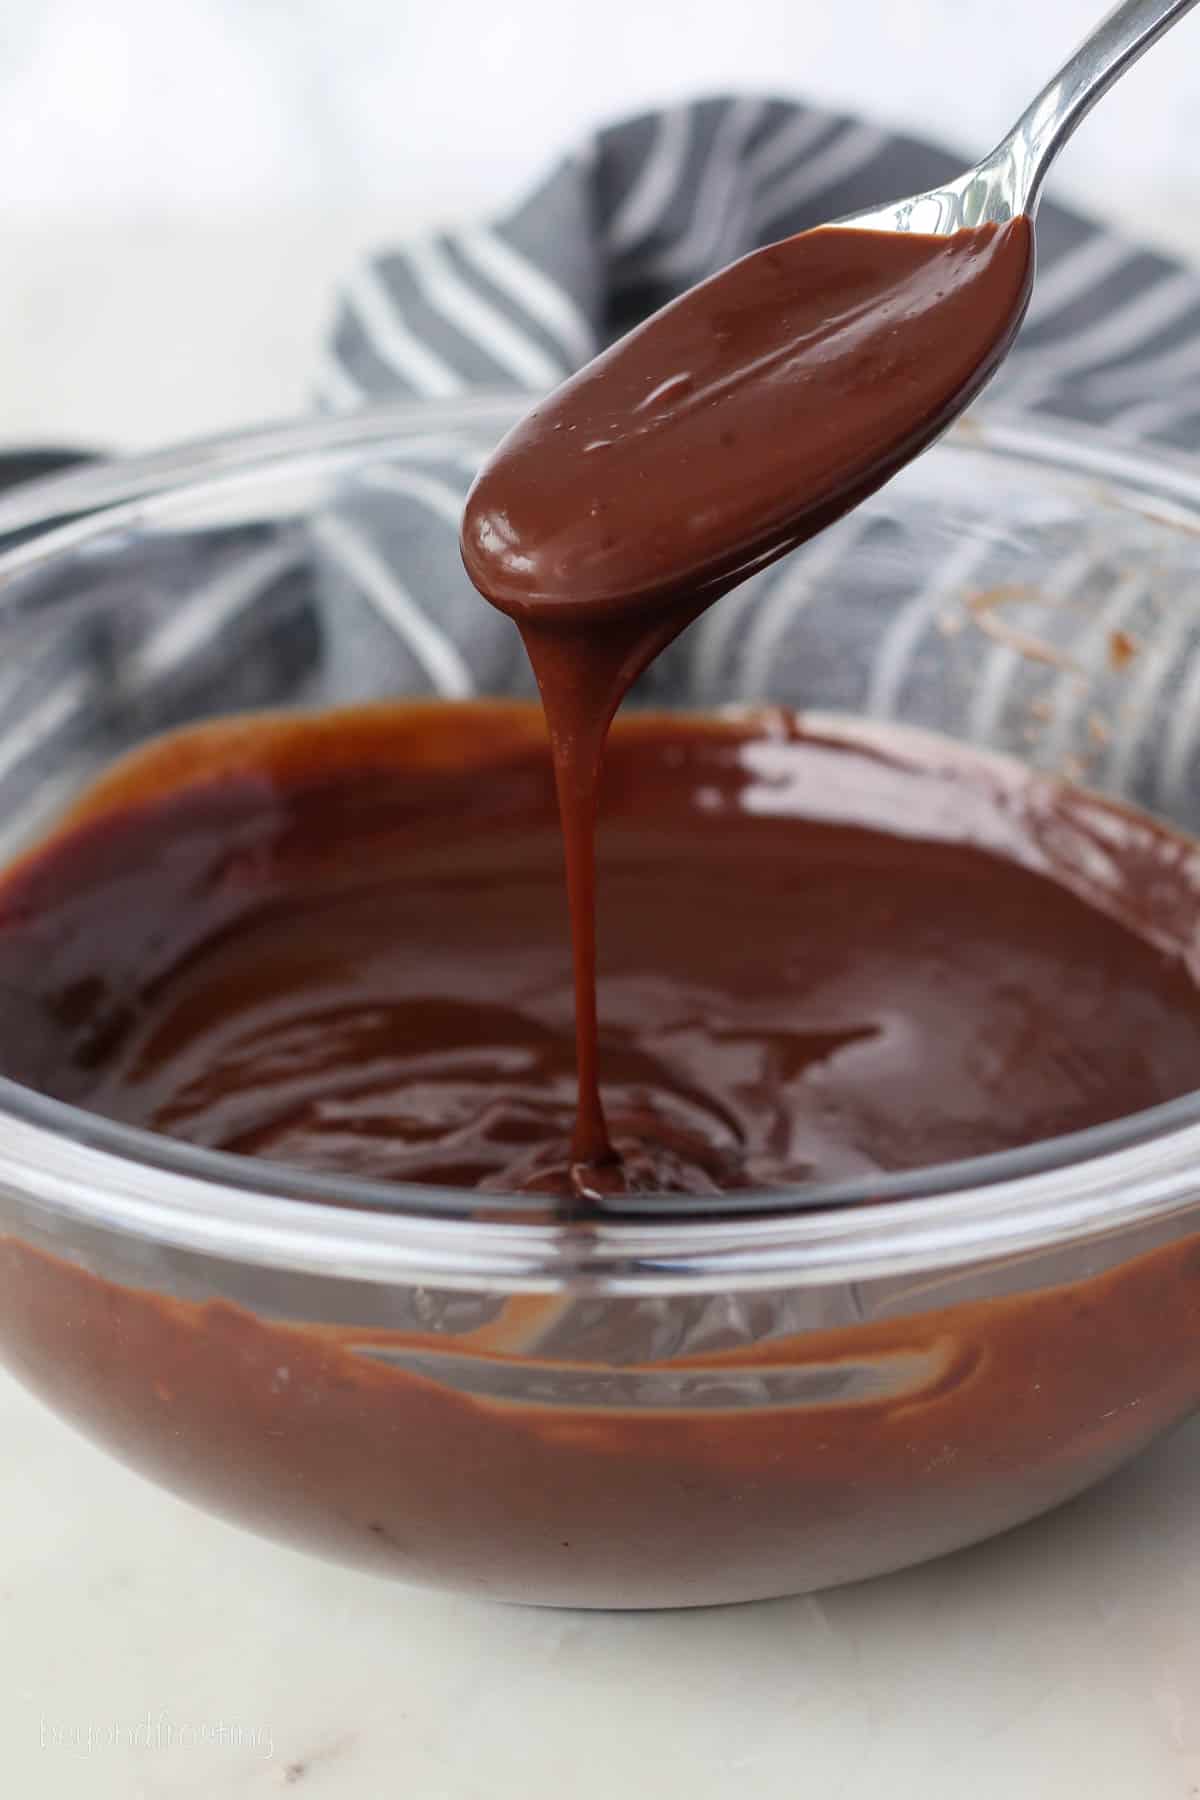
(341, 942)
(740, 419)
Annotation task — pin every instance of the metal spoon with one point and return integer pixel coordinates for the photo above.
(761, 405)
(1009, 181)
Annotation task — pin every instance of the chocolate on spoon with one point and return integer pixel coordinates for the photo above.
(736, 423)
(750, 412)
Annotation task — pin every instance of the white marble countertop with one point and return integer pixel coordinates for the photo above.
(151, 1653)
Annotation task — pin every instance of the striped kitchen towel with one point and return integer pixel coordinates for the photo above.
(1084, 655)
(652, 205)
(868, 617)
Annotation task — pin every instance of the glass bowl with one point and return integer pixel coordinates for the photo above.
(797, 1390)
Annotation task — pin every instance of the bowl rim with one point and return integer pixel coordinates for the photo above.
(67, 1165)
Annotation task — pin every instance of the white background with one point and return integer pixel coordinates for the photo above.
(182, 180)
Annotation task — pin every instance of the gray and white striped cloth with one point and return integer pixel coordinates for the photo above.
(852, 621)
(654, 204)
(368, 598)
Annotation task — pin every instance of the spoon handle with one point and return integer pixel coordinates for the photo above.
(1104, 55)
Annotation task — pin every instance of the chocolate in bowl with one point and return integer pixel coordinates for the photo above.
(828, 951)
(736, 1395)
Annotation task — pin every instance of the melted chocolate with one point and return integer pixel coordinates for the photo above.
(721, 433)
(739, 420)
(339, 942)
(600, 1467)
(826, 951)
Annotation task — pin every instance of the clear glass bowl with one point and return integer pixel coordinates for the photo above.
(628, 1412)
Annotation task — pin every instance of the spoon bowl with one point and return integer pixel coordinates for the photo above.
(757, 407)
